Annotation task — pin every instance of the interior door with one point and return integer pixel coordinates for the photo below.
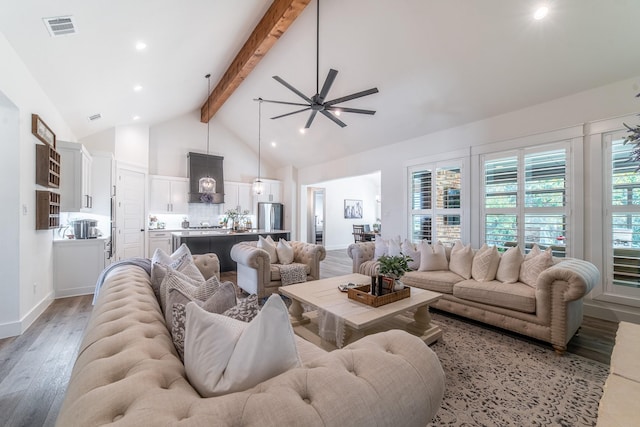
(130, 213)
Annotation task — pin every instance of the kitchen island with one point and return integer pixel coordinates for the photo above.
(220, 242)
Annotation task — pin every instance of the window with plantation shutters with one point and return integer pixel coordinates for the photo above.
(526, 199)
(623, 220)
(435, 203)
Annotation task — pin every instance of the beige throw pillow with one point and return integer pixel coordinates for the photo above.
(509, 267)
(224, 355)
(285, 252)
(223, 299)
(197, 289)
(485, 263)
(532, 266)
(461, 259)
(270, 246)
(432, 257)
(409, 249)
(161, 259)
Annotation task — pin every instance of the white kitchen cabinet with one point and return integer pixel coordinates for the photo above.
(168, 194)
(159, 239)
(77, 263)
(75, 177)
(238, 194)
(102, 182)
(272, 191)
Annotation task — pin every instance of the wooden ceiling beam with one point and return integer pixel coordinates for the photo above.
(273, 24)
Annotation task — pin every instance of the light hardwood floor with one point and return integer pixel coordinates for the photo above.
(35, 366)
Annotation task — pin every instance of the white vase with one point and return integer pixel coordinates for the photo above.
(398, 286)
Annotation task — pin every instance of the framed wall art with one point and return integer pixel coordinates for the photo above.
(353, 209)
(40, 129)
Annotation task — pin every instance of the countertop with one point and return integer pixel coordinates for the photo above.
(224, 232)
(80, 241)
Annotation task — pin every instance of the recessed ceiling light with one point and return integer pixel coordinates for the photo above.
(336, 112)
(273, 143)
(303, 130)
(141, 45)
(541, 12)
(136, 117)
(137, 88)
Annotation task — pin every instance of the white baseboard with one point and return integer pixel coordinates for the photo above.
(74, 292)
(13, 329)
(611, 312)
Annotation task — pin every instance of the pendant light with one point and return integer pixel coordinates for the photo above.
(258, 185)
(206, 184)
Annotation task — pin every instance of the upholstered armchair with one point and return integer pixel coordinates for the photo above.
(256, 274)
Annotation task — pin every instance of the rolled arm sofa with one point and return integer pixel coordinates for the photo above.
(256, 273)
(128, 373)
(550, 312)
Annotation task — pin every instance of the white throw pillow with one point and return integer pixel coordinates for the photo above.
(285, 252)
(485, 263)
(393, 247)
(432, 257)
(532, 266)
(181, 260)
(509, 267)
(409, 249)
(270, 246)
(461, 259)
(224, 355)
(381, 248)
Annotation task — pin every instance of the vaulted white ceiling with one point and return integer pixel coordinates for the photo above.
(437, 63)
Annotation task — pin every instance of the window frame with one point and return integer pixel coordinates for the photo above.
(435, 211)
(520, 210)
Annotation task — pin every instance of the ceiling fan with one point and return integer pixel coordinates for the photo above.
(317, 103)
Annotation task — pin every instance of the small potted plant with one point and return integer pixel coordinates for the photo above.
(394, 267)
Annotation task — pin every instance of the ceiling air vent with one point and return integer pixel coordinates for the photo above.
(95, 117)
(60, 25)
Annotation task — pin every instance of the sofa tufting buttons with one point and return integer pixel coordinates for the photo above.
(306, 400)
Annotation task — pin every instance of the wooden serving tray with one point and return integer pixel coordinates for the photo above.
(361, 294)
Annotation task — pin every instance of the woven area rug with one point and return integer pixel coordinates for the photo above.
(494, 379)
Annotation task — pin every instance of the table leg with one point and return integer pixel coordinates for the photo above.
(295, 313)
(422, 327)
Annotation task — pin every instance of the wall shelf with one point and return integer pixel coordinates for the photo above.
(47, 210)
(47, 166)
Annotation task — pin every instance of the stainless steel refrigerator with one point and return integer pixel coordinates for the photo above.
(270, 216)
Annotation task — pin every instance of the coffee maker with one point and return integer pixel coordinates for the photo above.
(85, 228)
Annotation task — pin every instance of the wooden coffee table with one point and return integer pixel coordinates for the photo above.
(359, 319)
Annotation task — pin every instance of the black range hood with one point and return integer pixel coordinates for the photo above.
(202, 165)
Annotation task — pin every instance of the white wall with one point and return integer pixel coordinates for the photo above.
(616, 99)
(132, 145)
(338, 229)
(27, 269)
(170, 141)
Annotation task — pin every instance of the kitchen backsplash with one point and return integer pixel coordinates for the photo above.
(198, 213)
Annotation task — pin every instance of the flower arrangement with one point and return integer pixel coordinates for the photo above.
(635, 139)
(394, 266)
(236, 216)
(206, 198)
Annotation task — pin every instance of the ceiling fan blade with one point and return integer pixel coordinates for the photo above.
(333, 118)
(327, 85)
(288, 114)
(352, 96)
(311, 117)
(293, 89)
(351, 110)
(281, 102)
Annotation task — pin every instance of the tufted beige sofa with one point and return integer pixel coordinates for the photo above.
(127, 373)
(552, 312)
(256, 274)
